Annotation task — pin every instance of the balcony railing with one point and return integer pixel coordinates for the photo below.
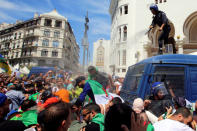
(27, 55)
(32, 44)
(30, 35)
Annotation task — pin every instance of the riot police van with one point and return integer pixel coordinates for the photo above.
(180, 71)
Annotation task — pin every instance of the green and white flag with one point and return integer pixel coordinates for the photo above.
(101, 95)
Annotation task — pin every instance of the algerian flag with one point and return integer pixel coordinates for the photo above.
(28, 118)
(34, 97)
(100, 94)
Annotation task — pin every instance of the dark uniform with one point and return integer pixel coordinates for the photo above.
(159, 19)
(158, 107)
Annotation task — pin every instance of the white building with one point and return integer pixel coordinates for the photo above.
(101, 55)
(130, 20)
(45, 40)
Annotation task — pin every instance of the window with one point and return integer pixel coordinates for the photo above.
(44, 53)
(125, 33)
(56, 34)
(16, 54)
(47, 33)
(171, 76)
(48, 22)
(118, 70)
(25, 53)
(58, 23)
(18, 45)
(55, 44)
(15, 35)
(123, 70)
(29, 62)
(193, 31)
(13, 46)
(54, 53)
(124, 56)
(131, 82)
(45, 42)
(120, 10)
(120, 34)
(118, 57)
(100, 56)
(133, 77)
(19, 35)
(156, 1)
(126, 9)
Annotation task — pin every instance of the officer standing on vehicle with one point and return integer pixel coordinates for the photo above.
(161, 20)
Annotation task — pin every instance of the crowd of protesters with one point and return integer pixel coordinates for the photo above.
(58, 101)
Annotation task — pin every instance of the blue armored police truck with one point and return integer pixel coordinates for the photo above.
(179, 71)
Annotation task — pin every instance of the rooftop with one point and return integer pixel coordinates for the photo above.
(54, 13)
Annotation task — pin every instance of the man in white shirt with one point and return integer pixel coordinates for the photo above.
(177, 122)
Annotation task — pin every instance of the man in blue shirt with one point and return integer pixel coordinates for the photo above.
(81, 82)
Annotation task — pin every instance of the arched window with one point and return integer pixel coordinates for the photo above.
(126, 9)
(125, 33)
(124, 57)
(193, 32)
(45, 42)
(119, 58)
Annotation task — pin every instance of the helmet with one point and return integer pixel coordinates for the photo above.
(154, 7)
(158, 86)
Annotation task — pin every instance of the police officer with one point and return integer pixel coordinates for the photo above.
(159, 99)
(161, 20)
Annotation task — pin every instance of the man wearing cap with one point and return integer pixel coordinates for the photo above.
(94, 90)
(4, 106)
(16, 97)
(101, 77)
(7, 125)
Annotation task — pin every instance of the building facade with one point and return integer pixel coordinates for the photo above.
(101, 56)
(131, 19)
(45, 40)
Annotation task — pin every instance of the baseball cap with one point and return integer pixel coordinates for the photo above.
(79, 79)
(3, 98)
(11, 84)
